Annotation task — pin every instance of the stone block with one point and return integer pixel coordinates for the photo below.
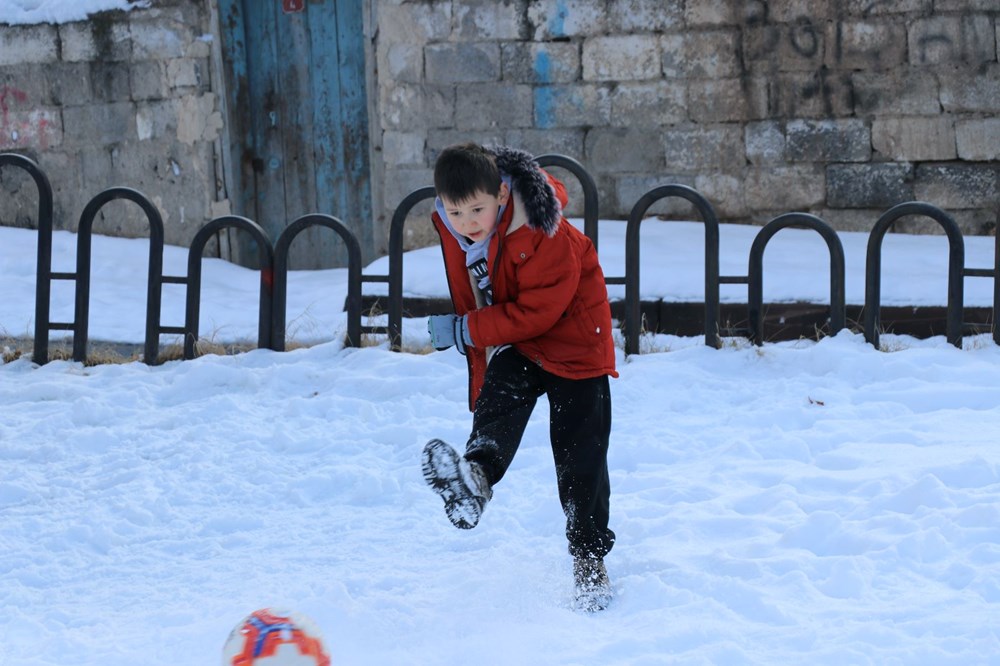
(867, 8)
(552, 19)
(965, 5)
(408, 107)
(713, 54)
(404, 148)
(968, 39)
(173, 178)
(787, 47)
(24, 87)
(725, 193)
(872, 45)
(462, 62)
(109, 81)
(567, 142)
(99, 124)
(156, 119)
(198, 119)
(911, 92)
(850, 219)
(621, 58)
(438, 140)
(35, 130)
(914, 139)
(711, 148)
(400, 182)
(959, 185)
(414, 22)
(571, 106)
(185, 73)
(880, 185)
(159, 38)
(727, 100)
(630, 188)
(975, 91)
(978, 140)
(548, 62)
(21, 44)
(821, 94)
(791, 11)
(149, 80)
(69, 83)
(828, 141)
(488, 19)
(105, 40)
(674, 56)
(765, 142)
(645, 15)
(623, 149)
(482, 106)
(785, 188)
(648, 104)
(711, 12)
(68, 191)
(403, 62)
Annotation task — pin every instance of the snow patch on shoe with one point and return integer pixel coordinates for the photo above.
(593, 588)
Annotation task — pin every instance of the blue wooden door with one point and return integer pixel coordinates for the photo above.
(298, 114)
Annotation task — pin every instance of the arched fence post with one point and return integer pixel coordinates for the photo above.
(633, 317)
(280, 299)
(265, 253)
(395, 277)
(590, 196)
(755, 275)
(81, 318)
(43, 263)
(956, 269)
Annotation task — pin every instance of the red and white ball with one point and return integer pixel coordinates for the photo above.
(269, 637)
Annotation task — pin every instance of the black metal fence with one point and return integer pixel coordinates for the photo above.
(273, 260)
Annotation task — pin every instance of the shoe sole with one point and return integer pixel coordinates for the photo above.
(440, 465)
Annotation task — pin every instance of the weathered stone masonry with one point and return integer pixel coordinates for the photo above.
(124, 99)
(839, 108)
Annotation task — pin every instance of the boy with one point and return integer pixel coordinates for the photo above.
(531, 317)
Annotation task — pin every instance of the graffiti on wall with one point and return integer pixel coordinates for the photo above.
(22, 127)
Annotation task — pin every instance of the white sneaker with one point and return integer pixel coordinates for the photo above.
(461, 484)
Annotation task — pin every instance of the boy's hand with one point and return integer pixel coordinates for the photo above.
(447, 330)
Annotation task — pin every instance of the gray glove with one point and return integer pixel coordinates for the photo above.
(448, 330)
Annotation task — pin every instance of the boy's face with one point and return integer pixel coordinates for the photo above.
(475, 217)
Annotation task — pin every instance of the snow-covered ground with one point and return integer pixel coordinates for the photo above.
(803, 502)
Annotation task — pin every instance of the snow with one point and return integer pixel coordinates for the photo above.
(802, 502)
(27, 12)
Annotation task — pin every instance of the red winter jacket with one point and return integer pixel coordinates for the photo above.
(549, 296)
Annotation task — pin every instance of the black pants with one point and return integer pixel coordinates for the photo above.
(579, 429)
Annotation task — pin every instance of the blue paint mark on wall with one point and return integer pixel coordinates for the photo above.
(557, 22)
(543, 93)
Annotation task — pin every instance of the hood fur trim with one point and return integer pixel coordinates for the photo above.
(532, 186)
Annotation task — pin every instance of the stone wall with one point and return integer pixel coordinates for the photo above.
(123, 99)
(837, 108)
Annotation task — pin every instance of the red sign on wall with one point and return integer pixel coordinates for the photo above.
(292, 6)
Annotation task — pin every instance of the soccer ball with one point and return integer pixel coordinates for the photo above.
(269, 637)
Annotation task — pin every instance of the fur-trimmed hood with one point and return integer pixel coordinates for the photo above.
(532, 187)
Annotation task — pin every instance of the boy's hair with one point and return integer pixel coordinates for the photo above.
(465, 169)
